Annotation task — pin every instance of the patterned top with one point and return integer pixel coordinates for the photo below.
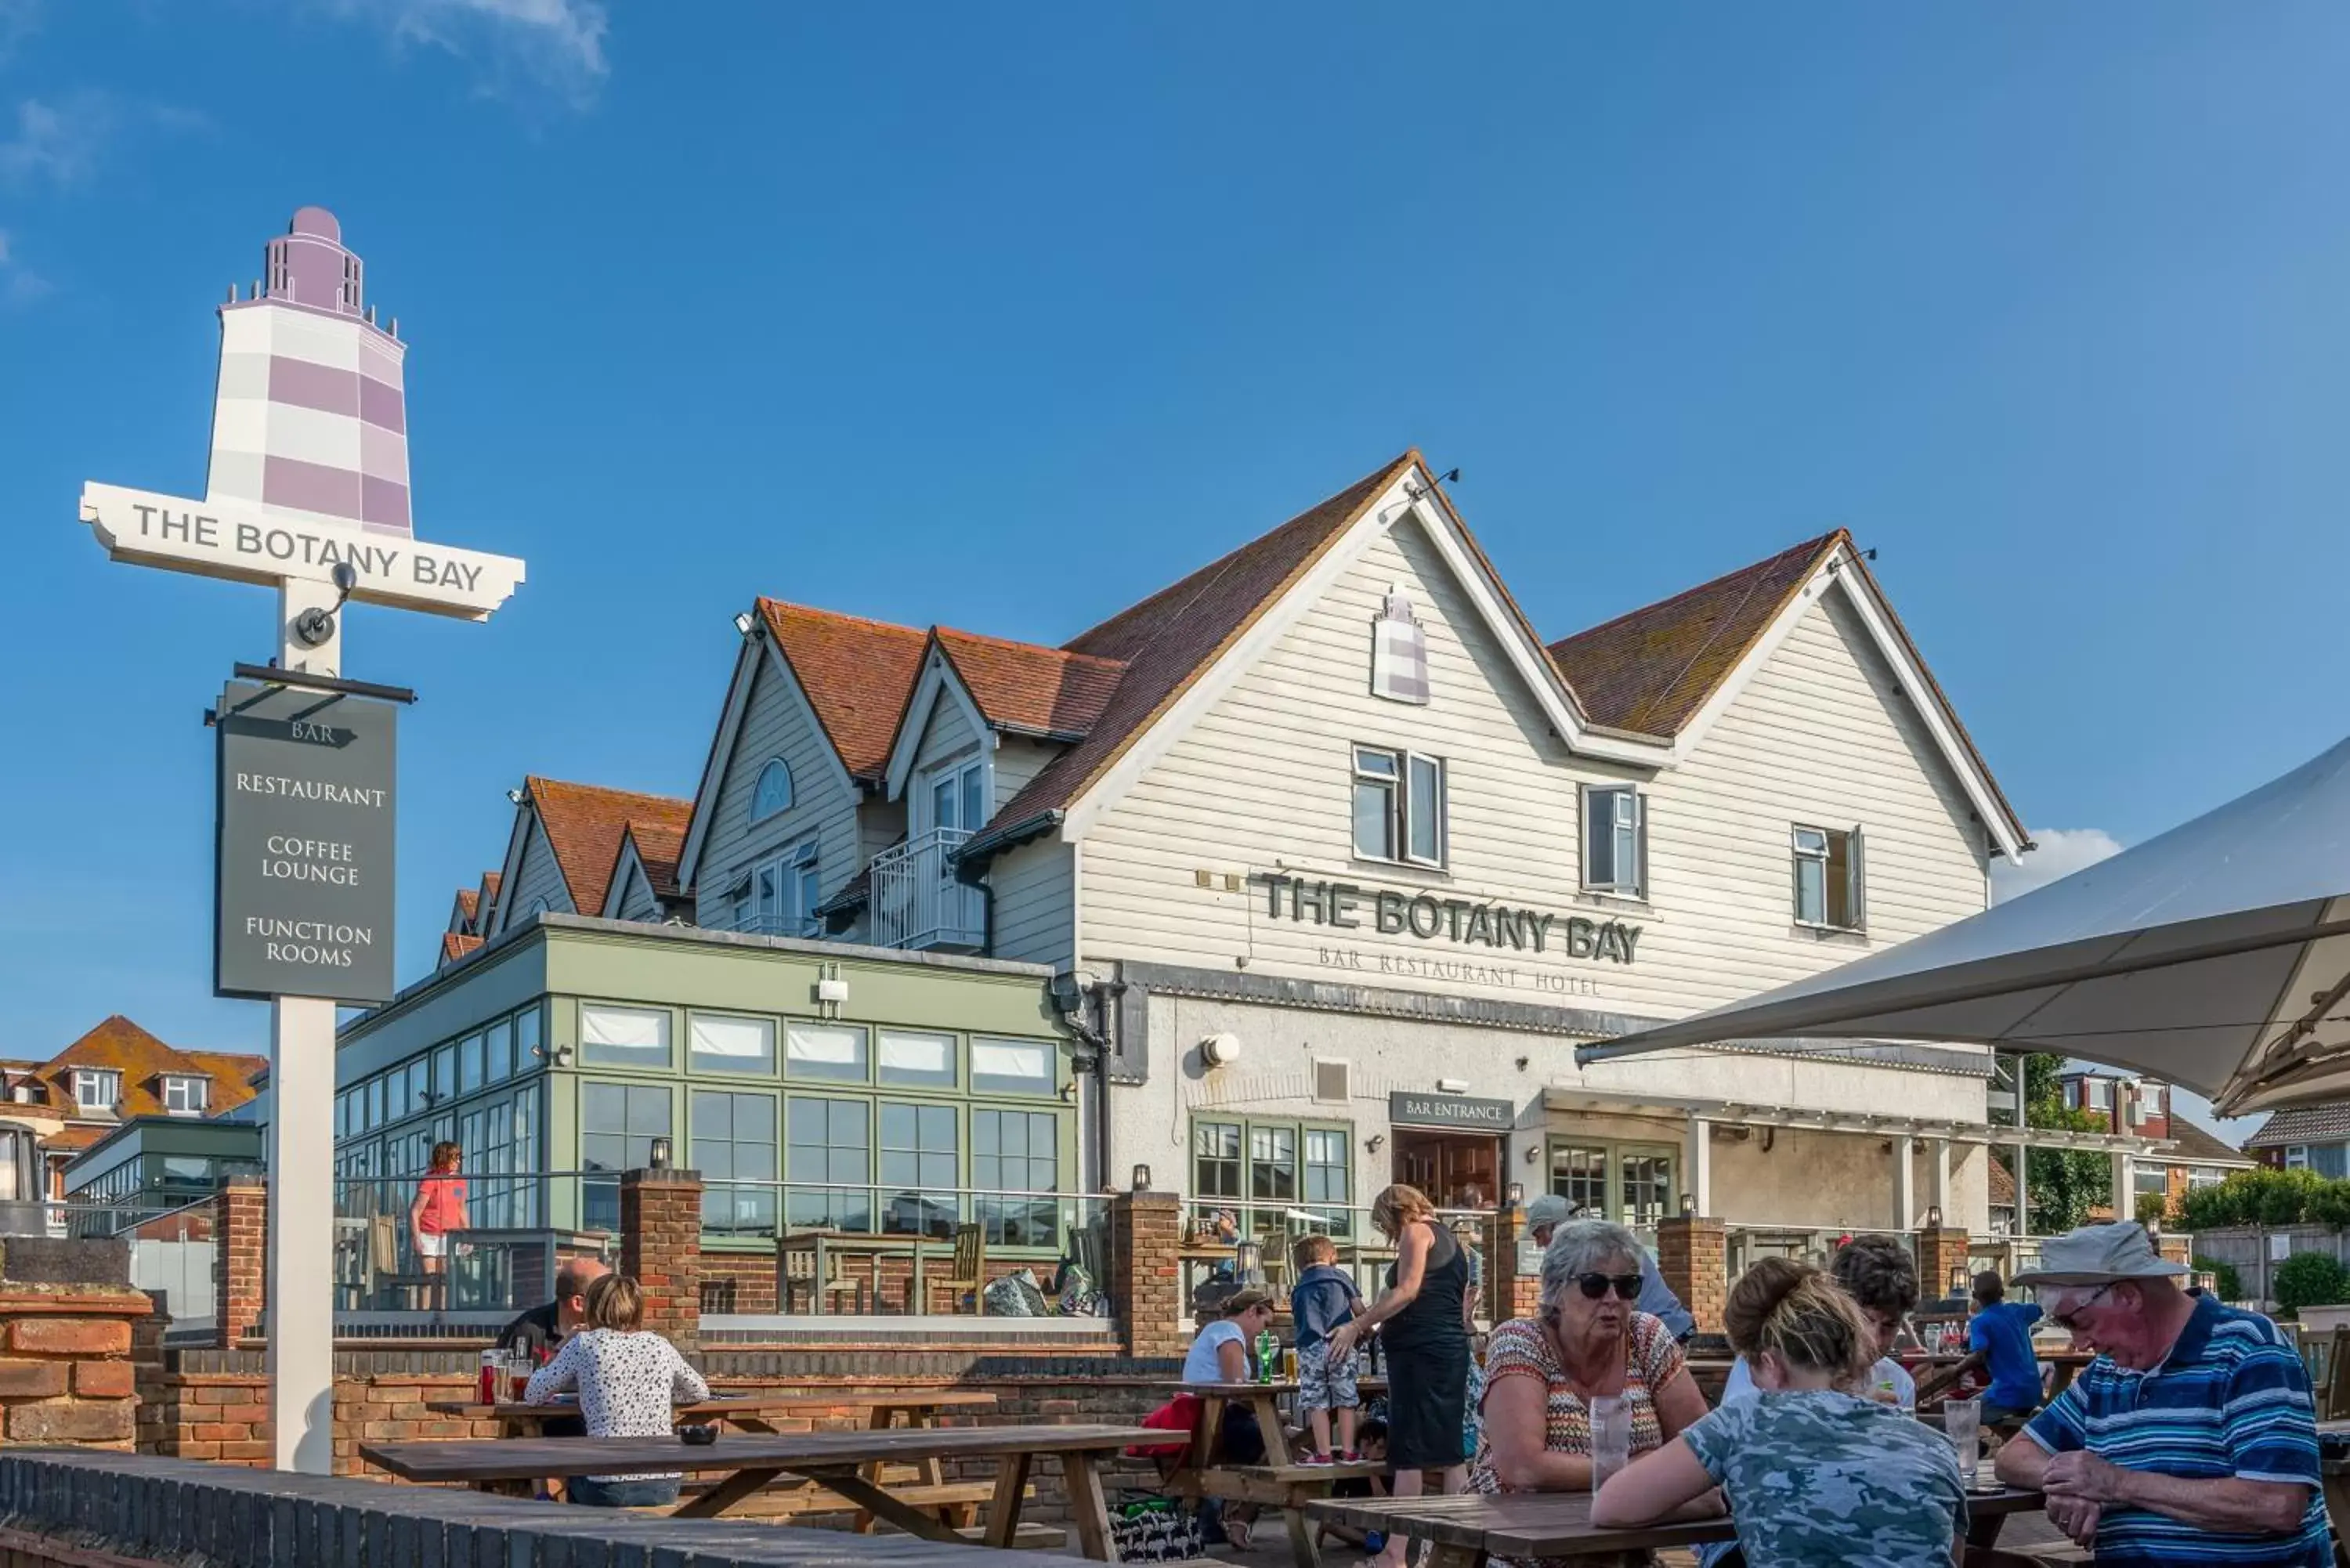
(627, 1383)
(2230, 1399)
(1815, 1476)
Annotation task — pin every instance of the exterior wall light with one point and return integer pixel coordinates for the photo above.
(1141, 1178)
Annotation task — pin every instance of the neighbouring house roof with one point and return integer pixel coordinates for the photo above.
(468, 904)
(2199, 1145)
(2327, 1123)
(1170, 640)
(583, 824)
(2003, 1186)
(120, 1045)
(857, 675)
(1025, 688)
(455, 945)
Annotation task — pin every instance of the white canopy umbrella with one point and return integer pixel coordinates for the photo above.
(2217, 956)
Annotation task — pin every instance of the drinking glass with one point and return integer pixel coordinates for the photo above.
(1962, 1420)
(1611, 1438)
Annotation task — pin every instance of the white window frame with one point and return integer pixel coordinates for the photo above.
(760, 782)
(1403, 807)
(2097, 1093)
(1856, 876)
(1635, 885)
(781, 892)
(101, 1080)
(926, 805)
(2296, 1157)
(194, 1093)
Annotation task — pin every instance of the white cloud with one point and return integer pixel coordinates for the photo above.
(58, 144)
(18, 18)
(19, 284)
(2062, 852)
(554, 45)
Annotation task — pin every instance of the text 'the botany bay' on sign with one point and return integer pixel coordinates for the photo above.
(305, 873)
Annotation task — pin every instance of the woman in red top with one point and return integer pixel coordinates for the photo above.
(439, 1209)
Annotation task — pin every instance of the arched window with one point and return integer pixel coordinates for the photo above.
(773, 792)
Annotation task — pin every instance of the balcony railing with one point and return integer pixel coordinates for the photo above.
(917, 903)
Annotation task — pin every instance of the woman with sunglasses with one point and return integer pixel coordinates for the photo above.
(1588, 1341)
(1423, 1318)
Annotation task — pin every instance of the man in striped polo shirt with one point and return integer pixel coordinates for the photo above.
(2192, 1438)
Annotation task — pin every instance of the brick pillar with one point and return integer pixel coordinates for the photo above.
(2175, 1249)
(1693, 1255)
(68, 1376)
(1941, 1253)
(239, 1254)
(1509, 1295)
(1146, 1278)
(661, 1249)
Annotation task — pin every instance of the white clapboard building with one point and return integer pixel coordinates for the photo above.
(1342, 857)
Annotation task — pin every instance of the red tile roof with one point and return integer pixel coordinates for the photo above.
(658, 844)
(1022, 687)
(468, 904)
(455, 945)
(1651, 671)
(583, 824)
(857, 675)
(2200, 1146)
(1169, 640)
(2003, 1186)
(120, 1046)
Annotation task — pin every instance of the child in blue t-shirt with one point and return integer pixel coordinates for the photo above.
(1322, 1299)
(2002, 1330)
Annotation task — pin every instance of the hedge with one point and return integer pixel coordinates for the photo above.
(2266, 1196)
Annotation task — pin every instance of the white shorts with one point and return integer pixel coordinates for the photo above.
(432, 1246)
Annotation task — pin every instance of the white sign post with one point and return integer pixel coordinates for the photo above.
(309, 474)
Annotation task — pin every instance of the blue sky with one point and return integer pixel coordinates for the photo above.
(1003, 316)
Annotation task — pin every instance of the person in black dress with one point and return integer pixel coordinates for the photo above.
(1423, 1318)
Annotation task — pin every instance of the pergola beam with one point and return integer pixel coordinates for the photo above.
(1856, 1124)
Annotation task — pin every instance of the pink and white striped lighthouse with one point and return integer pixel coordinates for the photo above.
(310, 415)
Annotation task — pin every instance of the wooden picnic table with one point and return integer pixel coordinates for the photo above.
(922, 1484)
(836, 1460)
(752, 1410)
(1464, 1530)
(1280, 1482)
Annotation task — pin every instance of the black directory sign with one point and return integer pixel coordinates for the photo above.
(303, 878)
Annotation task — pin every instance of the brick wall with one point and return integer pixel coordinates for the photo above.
(68, 1374)
(240, 1256)
(661, 1246)
(1693, 1256)
(1146, 1275)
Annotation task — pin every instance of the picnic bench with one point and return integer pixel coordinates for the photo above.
(1464, 1530)
(1280, 1482)
(836, 1461)
(921, 1484)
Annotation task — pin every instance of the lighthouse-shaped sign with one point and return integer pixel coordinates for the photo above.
(307, 491)
(309, 456)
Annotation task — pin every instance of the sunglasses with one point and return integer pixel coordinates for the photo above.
(2071, 1321)
(1627, 1286)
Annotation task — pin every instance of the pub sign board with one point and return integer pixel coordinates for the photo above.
(302, 875)
(1413, 1110)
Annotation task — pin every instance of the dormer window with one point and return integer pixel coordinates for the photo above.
(97, 1089)
(773, 793)
(2097, 1094)
(185, 1097)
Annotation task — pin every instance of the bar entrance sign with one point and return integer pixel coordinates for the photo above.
(307, 493)
(303, 878)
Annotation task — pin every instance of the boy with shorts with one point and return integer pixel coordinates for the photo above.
(1322, 1299)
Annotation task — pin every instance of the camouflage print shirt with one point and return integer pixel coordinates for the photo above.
(1817, 1477)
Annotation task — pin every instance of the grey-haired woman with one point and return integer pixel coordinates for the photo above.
(1585, 1342)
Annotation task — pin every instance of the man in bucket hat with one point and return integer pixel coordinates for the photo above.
(2190, 1439)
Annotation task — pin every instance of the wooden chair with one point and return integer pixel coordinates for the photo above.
(2328, 1357)
(799, 1273)
(969, 1269)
